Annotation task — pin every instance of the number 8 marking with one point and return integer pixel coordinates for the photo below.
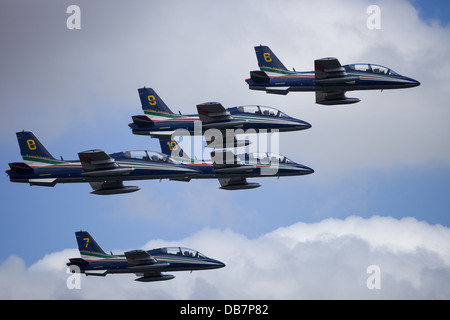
(31, 144)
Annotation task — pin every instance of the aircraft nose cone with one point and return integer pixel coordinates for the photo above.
(411, 83)
(304, 125)
(305, 170)
(217, 264)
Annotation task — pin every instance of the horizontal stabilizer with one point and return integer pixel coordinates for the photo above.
(20, 167)
(78, 262)
(142, 121)
(259, 76)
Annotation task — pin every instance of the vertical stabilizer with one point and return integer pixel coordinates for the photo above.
(30, 146)
(150, 101)
(267, 59)
(87, 246)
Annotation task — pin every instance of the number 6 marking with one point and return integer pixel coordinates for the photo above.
(267, 57)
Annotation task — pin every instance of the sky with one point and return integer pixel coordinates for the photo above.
(378, 197)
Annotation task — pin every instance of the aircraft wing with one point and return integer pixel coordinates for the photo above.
(225, 162)
(329, 74)
(214, 115)
(97, 164)
(96, 159)
(143, 263)
(139, 258)
(329, 71)
(212, 112)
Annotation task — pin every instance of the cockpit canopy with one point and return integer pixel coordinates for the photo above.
(149, 156)
(262, 110)
(373, 68)
(264, 157)
(180, 251)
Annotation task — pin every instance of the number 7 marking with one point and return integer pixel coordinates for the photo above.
(87, 241)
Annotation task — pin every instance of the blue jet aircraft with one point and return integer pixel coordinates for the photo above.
(159, 121)
(105, 173)
(329, 80)
(232, 171)
(148, 265)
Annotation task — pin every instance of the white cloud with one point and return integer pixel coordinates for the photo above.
(324, 260)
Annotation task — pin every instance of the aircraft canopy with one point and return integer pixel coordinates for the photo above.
(180, 251)
(149, 156)
(265, 157)
(262, 110)
(373, 68)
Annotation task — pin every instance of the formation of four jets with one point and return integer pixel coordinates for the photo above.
(107, 172)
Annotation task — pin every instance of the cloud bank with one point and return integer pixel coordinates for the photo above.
(331, 259)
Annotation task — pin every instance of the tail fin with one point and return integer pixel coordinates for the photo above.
(30, 146)
(173, 149)
(267, 59)
(151, 101)
(87, 245)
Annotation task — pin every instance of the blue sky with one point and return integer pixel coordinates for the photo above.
(77, 89)
(433, 10)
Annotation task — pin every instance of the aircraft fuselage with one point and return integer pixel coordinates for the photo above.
(166, 125)
(359, 80)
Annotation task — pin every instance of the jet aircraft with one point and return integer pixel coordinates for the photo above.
(105, 173)
(159, 121)
(232, 171)
(329, 80)
(148, 265)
